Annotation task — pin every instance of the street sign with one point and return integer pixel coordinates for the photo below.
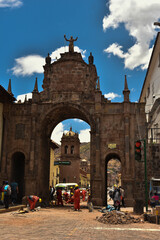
(62, 163)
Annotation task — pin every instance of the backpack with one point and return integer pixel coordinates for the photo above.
(9, 190)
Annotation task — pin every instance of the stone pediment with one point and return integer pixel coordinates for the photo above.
(69, 75)
(75, 56)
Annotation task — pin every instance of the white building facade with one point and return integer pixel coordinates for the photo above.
(150, 94)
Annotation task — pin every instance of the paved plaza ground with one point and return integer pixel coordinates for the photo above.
(64, 223)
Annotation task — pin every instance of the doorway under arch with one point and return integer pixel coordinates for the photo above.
(112, 173)
(18, 171)
(55, 116)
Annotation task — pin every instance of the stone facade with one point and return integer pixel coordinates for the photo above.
(70, 146)
(54, 169)
(71, 89)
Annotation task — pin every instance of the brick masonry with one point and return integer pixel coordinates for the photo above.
(71, 90)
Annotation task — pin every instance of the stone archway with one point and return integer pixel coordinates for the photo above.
(18, 172)
(59, 113)
(71, 89)
(110, 157)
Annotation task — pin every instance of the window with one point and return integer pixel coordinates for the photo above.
(20, 131)
(72, 149)
(159, 61)
(152, 88)
(148, 91)
(66, 149)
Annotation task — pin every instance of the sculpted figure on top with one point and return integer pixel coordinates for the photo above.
(71, 43)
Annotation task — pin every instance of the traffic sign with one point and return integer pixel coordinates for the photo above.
(62, 163)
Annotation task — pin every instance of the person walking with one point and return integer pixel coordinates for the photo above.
(14, 192)
(51, 192)
(117, 198)
(77, 198)
(71, 191)
(7, 194)
(2, 193)
(154, 200)
(122, 195)
(59, 196)
(66, 195)
(83, 194)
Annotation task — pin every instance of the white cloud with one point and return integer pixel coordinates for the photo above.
(23, 96)
(84, 135)
(10, 3)
(78, 120)
(111, 96)
(133, 90)
(57, 133)
(28, 65)
(56, 54)
(116, 50)
(138, 18)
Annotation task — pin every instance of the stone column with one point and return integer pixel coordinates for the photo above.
(32, 145)
(126, 144)
(4, 148)
(96, 181)
(128, 181)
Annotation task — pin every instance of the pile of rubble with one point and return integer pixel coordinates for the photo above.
(117, 217)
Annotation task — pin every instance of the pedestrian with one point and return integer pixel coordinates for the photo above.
(76, 198)
(14, 192)
(117, 198)
(122, 196)
(83, 194)
(71, 190)
(71, 200)
(154, 200)
(59, 196)
(2, 193)
(66, 195)
(32, 200)
(89, 203)
(7, 194)
(51, 192)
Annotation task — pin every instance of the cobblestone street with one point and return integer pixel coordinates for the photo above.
(64, 223)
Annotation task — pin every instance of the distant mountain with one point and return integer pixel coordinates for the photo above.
(85, 151)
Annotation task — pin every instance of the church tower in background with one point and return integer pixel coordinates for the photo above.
(70, 153)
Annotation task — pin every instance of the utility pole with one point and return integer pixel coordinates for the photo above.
(145, 168)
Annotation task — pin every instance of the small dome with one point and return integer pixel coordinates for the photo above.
(70, 133)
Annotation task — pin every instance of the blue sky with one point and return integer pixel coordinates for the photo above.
(119, 33)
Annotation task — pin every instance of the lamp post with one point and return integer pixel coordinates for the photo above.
(146, 182)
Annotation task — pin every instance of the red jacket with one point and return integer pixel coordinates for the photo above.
(32, 201)
(77, 199)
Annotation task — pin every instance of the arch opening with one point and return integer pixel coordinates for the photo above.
(112, 175)
(72, 152)
(54, 118)
(18, 171)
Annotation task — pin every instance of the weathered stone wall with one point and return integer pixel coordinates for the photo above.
(71, 90)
